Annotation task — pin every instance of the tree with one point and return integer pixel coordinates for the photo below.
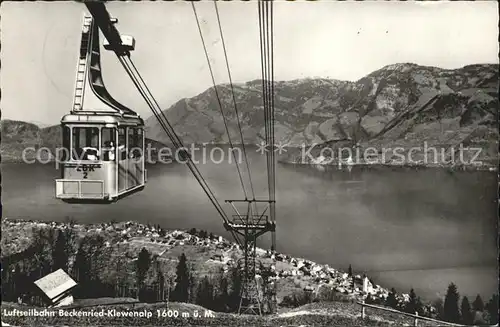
(451, 312)
(81, 271)
(192, 284)
(391, 300)
(478, 304)
(492, 308)
(43, 242)
(223, 296)
(236, 284)
(19, 288)
(205, 294)
(369, 299)
(349, 273)
(60, 254)
(142, 266)
(160, 279)
(420, 306)
(89, 263)
(467, 316)
(182, 280)
(438, 304)
(412, 305)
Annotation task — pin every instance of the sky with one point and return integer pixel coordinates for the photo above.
(340, 40)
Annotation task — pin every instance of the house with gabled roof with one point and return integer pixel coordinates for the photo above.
(56, 288)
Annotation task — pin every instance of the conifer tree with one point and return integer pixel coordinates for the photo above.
(492, 308)
(17, 282)
(411, 306)
(467, 316)
(222, 296)
(205, 294)
(81, 271)
(183, 281)
(142, 266)
(478, 304)
(60, 254)
(438, 304)
(420, 306)
(451, 311)
(236, 285)
(391, 300)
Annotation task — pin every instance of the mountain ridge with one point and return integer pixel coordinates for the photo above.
(402, 104)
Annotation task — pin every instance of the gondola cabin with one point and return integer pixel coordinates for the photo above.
(102, 157)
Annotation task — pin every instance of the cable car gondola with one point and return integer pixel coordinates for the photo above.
(103, 141)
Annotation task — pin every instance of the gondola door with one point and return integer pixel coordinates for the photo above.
(122, 160)
(132, 158)
(142, 156)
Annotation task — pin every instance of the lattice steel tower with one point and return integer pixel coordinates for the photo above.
(248, 226)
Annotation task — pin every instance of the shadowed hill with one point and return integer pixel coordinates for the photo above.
(18, 136)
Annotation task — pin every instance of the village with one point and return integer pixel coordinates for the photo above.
(291, 274)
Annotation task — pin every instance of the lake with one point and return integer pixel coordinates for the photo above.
(405, 228)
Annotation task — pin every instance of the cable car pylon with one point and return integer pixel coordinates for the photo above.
(249, 225)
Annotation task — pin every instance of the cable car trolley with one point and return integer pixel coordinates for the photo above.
(103, 141)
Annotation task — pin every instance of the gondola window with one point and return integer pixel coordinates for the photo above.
(108, 137)
(134, 143)
(122, 144)
(85, 143)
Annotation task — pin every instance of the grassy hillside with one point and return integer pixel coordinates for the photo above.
(303, 316)
(308, 293)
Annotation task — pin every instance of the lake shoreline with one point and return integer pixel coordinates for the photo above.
(471, 168)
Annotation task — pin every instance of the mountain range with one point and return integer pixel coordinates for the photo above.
(398, 105)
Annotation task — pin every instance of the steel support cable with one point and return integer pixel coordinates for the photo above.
(263, 72)
(219, 101)
(270, 95)
(273, 204)
(133, 72)
(267, 93)
(267, 56)
(264, 67)
(234, 100)
(173, 136)
(144, 90)
(262, 35)
(269, 109)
